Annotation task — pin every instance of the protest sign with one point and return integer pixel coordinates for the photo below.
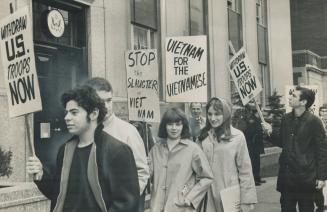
(289, 89)
(246, 81)
(186, 69)
(17, 53)
(142, 85)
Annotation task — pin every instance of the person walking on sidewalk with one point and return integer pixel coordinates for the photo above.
(89, 174)
(303, 161)
(180, 171)
(226, 150)
(124, 132)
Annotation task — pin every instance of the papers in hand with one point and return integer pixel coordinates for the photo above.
(231, 198)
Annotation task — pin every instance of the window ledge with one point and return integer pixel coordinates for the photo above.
(86, 2)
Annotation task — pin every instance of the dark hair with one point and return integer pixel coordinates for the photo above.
(225, 128)
(87, 98)
(306, 94)
(174, 115)
(99, 84)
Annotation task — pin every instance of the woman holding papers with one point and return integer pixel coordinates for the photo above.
(180, 171)
(226, 150)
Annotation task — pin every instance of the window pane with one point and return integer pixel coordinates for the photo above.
(144, 12)
(196, 17)
(235, 29)
(140, 38)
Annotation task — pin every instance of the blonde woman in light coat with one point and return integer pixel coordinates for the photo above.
(226, 150)
(180, 171)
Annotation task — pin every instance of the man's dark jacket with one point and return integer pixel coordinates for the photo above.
(111, 172)
(304, 156)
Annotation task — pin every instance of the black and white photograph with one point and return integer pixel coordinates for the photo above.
(163, 106)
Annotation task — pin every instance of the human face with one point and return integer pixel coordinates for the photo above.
(196, 110)
(76, 118)
(294, 99)
(174, 130)
(215, 117)
(323, 112)
(106, 96)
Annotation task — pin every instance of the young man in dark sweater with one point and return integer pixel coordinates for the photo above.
(303, 161)
(95, 172)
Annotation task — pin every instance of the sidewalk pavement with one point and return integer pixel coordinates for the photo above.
(268, 197)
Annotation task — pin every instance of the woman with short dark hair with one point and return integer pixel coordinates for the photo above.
(180, 171)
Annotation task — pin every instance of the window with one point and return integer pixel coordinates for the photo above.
(235, 5)
(261, 12)
(235, 26)
(197, 22)
(142, 38)
(265, 81)
(144, 13)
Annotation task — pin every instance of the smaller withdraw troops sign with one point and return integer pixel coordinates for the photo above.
(245, 79)
(142, 85)
(17, 54)
(186, 69)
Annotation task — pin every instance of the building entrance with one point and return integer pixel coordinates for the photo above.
(61, 62)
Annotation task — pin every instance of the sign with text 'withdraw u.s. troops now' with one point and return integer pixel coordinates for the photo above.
(246, 81)
(17, 54)
(142, 85)
(186, 69)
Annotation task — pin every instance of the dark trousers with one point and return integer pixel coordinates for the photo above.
(304, 200)
(319, 201)
(255, 161)
(141, 203)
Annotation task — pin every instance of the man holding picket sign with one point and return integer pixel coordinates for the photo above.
(303, 161)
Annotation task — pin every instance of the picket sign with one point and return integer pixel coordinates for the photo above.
(253, 98)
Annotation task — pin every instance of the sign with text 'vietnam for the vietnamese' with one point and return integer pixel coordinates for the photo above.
(17, 53)
(186, 69)
(245, 78)
(142, 85)
(289, 89)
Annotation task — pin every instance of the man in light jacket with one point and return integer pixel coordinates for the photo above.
(124, 132)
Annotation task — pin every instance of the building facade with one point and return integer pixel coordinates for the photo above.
(309, 44)
(97, 34)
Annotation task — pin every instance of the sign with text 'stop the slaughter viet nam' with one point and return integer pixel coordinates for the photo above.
(17, 54)
(186, 69)
(142, 85)
(246, 81)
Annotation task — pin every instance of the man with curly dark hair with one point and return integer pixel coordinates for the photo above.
(88, 177)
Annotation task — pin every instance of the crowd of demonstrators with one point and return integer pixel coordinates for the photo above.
(180, 171)
(88, 177)
(303, 161)
(254, 139)
(227, 153)
(124, 132)
(108, 162)
(196, 120)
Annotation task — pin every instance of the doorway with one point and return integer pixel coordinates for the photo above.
(59, 69)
